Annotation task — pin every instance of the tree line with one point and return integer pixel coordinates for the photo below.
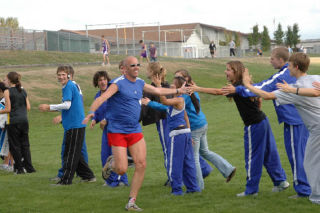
(10, 22)
(289, 38)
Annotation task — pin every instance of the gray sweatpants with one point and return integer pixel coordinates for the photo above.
(312, 165)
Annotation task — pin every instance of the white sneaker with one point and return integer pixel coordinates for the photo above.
(315, 201)
(243, 194)
(282, 186)
(103, 64)
(133, 207)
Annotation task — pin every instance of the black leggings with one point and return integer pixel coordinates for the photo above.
(18, 137)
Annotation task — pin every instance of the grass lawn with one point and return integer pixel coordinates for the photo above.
(33, 192)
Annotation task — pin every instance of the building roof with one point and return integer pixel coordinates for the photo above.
(170, 33)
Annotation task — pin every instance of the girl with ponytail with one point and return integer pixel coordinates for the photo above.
(17, 104)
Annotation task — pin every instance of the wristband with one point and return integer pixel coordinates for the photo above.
(297, 92)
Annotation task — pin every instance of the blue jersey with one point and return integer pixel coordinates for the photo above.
(175, 117)
(286, 113)
(100, 113)
(73, 117)
(196, 120)
(124, 106)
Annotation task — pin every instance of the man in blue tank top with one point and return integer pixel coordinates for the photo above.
(124, 106)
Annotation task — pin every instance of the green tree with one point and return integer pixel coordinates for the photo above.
(265, 39)
(237, 39)
(255, 35)
(278, 35)
(9, 22)
(289, 37)
(228, 36)
(250, 40)
(295, 35)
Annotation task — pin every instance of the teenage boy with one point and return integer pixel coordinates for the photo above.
(72, 112)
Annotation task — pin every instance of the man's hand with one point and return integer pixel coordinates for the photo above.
(44, 107)
(229, 89)
(57, 119)
(246, 78)
(92, 124)
(145, 101)
(102, 124)
(156, 79)
(285, 87)
(316, 84)
(87, 118)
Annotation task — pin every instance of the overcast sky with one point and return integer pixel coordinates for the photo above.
(237, 15)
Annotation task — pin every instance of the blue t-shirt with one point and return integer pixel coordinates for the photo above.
(123, 108)
(196, 120)
(73, 117)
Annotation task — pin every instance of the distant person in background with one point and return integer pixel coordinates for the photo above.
(17, 104)
(212, 48)
(232, 47)
(259, 52)
(105, 48)
(290, 50)
(153, 53)
(143, 52)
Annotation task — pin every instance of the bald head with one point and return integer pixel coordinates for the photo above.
(130, 60)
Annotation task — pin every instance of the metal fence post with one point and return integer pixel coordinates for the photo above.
(133, 41)
(58, 42)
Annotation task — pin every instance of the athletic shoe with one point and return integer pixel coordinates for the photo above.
(133, 207)
(243, 194)
(315, 201)
(20, 172)
(103, 64)
(107, 169)
(296, 196)
(90, 180)
(56, 178)
(231, 175)
(6, 168)
(123, 184)
(282, 186)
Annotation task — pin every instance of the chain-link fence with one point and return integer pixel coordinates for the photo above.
(22, 39)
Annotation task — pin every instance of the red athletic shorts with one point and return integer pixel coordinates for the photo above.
(124, 140)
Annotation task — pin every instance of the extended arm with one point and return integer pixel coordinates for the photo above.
(246, 79)
(7, 108)
(311, 92)
(112, 89)
(163, 91)
(212, 91)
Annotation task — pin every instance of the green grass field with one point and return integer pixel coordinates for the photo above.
(33, 192)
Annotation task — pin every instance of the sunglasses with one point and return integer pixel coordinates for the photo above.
(134, 65)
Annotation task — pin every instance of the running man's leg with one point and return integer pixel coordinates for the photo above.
(139, 153)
